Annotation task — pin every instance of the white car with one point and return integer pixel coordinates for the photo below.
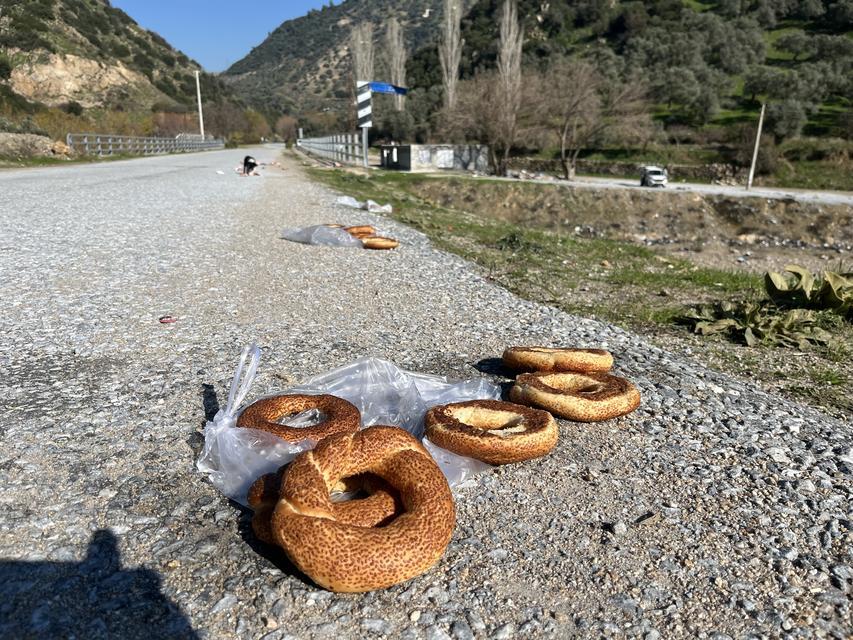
(652, 176)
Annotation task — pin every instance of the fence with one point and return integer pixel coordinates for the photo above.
(344, 148)
(99, 144)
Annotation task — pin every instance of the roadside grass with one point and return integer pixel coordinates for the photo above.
(551, 267)
(629, 285)
(812, 174)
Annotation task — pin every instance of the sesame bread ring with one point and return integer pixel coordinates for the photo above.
(361, 231)
(346, 558)
(338, 416)
(380, 505)
(333, 225)
(549, 359)
(378, 242)
(492, 431)
(584, 397)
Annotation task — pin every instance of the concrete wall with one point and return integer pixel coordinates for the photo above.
(436, 157)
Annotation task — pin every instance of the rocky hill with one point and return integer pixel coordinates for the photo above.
(304, 62)
(88, 53)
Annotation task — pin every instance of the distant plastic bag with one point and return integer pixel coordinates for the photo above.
(375, 207)
(385, 394)
(322, 235)
(370, 205)
(349, 201)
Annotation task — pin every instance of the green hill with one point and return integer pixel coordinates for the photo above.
(703, 62)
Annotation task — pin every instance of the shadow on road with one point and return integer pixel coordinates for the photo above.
(94, 598)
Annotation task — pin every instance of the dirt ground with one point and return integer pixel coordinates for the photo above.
(751, 234)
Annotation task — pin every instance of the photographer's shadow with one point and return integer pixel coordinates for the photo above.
(94, 598)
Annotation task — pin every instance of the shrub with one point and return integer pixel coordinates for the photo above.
(73, 108)
(5, 67)
(786, 119)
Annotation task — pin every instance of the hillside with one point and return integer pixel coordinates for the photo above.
(304, 63)
(88, 53)
(703, 62)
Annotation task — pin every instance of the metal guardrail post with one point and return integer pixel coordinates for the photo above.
(345, 148)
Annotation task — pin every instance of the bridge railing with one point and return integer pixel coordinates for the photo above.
(345, 148)
(101, 144)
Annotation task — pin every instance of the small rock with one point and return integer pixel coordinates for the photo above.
(437, 633)
(461, 631)
(376, 625)
(503, 632)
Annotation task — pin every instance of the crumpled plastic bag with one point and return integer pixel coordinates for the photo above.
(375, 207)
(322, 235)
(349, 201)
(235, 457)
(370, 205)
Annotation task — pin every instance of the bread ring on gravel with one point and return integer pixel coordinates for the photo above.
(583, 397)
(492, 431)
(378, 242)
(550, 359)
(381, 504)
(347, 558)
(360, 231)
(339, 416)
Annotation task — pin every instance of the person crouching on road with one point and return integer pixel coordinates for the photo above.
(249, 164)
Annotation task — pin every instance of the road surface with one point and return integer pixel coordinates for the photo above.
(713, 511)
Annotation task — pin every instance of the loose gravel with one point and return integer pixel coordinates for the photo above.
(714, 511)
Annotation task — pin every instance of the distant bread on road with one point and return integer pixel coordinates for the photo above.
(378, 242)
(558, 359)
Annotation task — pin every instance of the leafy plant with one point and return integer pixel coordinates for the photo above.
(756, 323)
(792, 316)
(798, 287)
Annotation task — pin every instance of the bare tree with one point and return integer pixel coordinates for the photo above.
(578, 107)
(509, 76)
(361, 46)
(396, 48)
(489, 109)
(450, 51)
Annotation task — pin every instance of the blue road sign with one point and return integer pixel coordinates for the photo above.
(384, 87)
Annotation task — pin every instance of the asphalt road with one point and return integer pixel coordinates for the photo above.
(713, 511)
(802, 195)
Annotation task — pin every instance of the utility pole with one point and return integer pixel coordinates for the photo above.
(200, 114)
(755, 151)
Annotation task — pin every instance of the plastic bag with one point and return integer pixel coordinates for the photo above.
(385, 394)
(349, 201)
(370, 205)
(322, 235)
(375, 207)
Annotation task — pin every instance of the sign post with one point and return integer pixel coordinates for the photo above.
(365, 115)
(364, 90)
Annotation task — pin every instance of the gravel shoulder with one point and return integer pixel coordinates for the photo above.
(715, 510)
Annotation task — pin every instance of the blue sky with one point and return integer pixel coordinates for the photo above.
(216, 33)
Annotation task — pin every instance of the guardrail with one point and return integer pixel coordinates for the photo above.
(100, 144)
(344, 148)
